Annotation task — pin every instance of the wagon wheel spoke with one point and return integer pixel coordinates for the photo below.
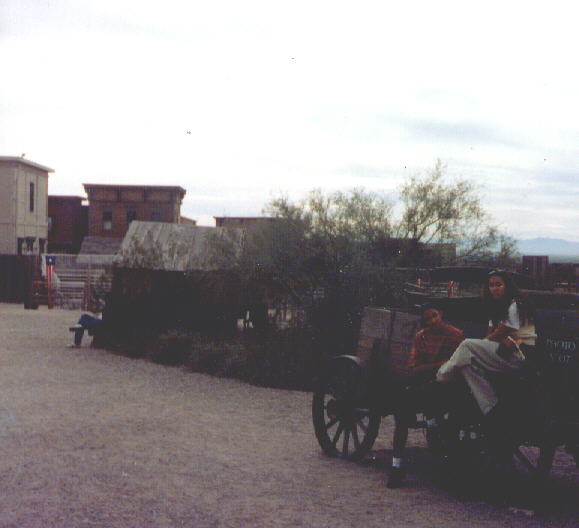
(545, 462)
(536, 460)
(355, 437)
(337, 434)
(332, 422)
(523, 459)
(346, 442)
(362, 425)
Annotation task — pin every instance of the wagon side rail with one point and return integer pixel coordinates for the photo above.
(390, 333)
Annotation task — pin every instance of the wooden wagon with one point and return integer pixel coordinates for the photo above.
(353, 393)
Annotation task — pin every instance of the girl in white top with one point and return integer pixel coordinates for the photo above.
(511, 330)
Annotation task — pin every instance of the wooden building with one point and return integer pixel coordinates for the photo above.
(112, 208)
(67, 223)
(23, 206)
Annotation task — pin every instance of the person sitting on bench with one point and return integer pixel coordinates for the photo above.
(86, 322)
(432, 346)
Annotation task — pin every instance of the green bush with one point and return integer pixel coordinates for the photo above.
(133, 348)
(214, 355)
(171, 348)
(289, 359)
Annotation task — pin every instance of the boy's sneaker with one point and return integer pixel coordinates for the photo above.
(396, 478)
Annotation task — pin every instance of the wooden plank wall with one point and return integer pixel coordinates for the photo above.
(404, 329)
(13, 278)
(390, 334)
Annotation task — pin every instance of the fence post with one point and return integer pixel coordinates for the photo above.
(49, 286)
(86, 289)
(50, 263)
(30, 266)
(451, 289)
(90, 288)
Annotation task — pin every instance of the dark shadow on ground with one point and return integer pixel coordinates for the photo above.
(558, 500)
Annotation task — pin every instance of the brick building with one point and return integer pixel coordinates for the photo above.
(23, 206)
(67, 223)
(113, 207)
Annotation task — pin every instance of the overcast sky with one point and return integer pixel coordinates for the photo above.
(239, 101)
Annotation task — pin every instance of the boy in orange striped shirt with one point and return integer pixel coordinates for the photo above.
(432, 346)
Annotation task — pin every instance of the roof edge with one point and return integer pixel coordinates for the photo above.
(133, 186)
(67, 196)
(25, 161)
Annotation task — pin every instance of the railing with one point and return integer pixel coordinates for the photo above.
(446, 289)
(75, 281)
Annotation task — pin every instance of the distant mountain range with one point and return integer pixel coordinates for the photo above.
(557, 249)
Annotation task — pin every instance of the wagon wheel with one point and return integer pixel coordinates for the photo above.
(532, 461)
(345, 424)
(535, 460)
(542, 432)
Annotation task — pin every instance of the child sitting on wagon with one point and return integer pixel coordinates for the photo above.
(432, 346)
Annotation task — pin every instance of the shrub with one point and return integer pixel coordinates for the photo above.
(214, 355)
(288, 359)
(171, 348)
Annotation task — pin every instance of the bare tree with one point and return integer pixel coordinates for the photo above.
(337, 228)
(439, 211)
(350, 244)
(502, 254)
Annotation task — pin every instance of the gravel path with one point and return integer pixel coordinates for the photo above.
(88, 438)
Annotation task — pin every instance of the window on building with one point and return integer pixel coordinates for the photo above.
(107, 220)
(50, 224)
(20, 245)
(31, 197)
(30, 244)
(41, 245)
(131, 215)
(156, 215)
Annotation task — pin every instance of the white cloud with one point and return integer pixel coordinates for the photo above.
(255, 98)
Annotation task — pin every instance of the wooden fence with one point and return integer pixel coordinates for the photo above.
(78, 281)
(16, 275)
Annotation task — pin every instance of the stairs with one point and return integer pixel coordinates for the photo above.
(81, 288)
(78, 282)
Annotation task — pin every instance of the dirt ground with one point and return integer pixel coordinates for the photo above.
(92, 439)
